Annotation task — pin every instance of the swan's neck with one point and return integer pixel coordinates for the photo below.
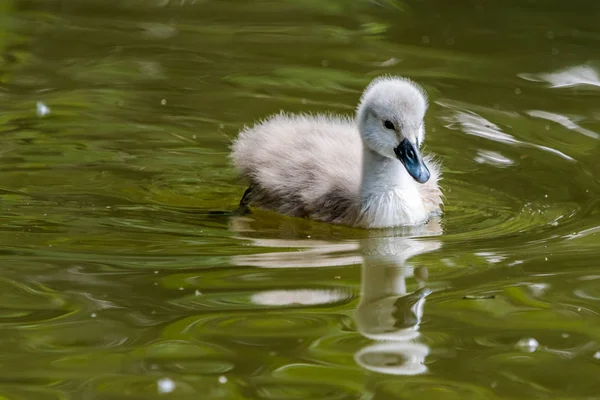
(389, 195)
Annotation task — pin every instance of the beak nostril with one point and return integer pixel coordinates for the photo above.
(410, 153)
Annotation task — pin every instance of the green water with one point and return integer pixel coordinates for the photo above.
(124, 275)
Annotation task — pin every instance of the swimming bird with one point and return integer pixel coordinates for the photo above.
(365, 171)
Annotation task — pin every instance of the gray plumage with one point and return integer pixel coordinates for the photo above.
(339, 169)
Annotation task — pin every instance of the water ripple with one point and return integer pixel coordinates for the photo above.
(474, 124)
(29, 304)
(563, 121)
(272, 324)
(266, 299)
(300, 390)
(581, 75)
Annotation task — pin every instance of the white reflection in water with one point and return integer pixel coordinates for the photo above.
(474, 124)
(394, 358)
(581, 75)
(582, 233)
(491, 257)
(302, 253)
(564, 121)
(538, 289)
(309, 253)
(493, 158)
(387, 313)
(305, 297)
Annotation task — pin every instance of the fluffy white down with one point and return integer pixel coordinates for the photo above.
(318, 166)
(295, 152)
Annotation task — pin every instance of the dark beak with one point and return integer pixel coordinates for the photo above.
(413, 162)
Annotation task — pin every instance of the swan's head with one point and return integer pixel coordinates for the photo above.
(390, 119)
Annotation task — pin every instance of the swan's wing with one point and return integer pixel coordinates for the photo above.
(302, 165)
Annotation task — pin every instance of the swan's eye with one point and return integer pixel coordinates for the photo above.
(388, 125)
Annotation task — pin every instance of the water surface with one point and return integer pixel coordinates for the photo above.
(125, 275)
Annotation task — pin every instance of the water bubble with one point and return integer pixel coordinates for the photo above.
(517, 91)
(597, 355)
(528, 345)
(93, 315)
(197, 292)
(222, 379)
(166, 385)
(163, 102)
(42, 109)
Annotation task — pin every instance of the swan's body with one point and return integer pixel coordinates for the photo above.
(341, 170)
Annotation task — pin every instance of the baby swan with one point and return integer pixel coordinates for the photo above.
(365, 172)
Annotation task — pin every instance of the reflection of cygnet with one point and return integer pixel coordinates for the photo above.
(393, 358)
(301, 297)
(386, 313)
(308, 253)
